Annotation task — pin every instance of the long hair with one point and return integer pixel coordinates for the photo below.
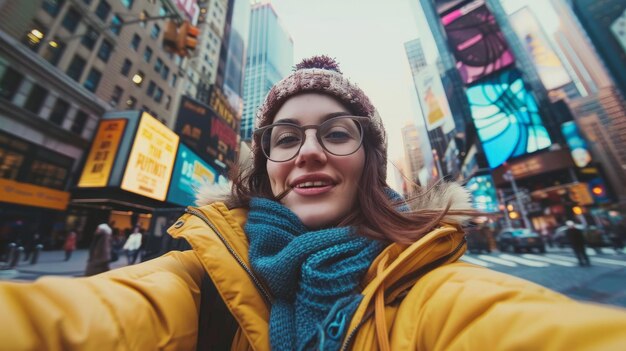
(375, 215)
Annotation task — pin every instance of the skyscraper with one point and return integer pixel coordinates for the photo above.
(269, 59)
(414, 160)
(605, 22)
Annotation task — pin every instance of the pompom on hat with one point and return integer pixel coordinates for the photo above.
(321, 74)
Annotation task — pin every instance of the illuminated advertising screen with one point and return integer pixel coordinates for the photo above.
(149, 167)
(476, 41)
(102, 155)
(483, 191)
(210, 131)
(433, 99)
(550, 68)
(190, 172)
(577, 144)
(618, 28)
(506, 117)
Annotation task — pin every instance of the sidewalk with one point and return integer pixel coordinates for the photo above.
(52, 263)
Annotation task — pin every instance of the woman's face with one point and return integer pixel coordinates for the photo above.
(332, 194)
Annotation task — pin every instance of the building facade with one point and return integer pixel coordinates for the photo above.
(268, 60)
(413, 158)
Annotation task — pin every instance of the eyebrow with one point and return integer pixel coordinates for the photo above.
(324, 118)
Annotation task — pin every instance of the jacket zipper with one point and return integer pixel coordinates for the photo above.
(266, 296)
(426, 269)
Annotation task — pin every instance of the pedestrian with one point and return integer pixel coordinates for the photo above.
(577, 241)
(70, 244)
(311, 251)
(99, 251)
(132, 245)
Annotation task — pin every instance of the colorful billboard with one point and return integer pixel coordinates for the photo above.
(550, 68)
(433, 99)
(32, 195)
(102, 155)
(476, 41)
(506, 117)
(483, 191)
(149, 167)
(577, 144)
(190, 172)
(618, 28)
(211, 131)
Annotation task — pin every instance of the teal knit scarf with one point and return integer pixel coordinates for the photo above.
(313, 275)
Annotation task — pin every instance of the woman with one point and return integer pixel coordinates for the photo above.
(132, 245)
(311, 251)
(70, 244)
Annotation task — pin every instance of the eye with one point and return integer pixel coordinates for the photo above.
(286, 139)
(337, 135)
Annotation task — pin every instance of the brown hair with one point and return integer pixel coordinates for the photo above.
(375, 216)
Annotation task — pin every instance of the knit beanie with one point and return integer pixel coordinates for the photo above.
(321, 74)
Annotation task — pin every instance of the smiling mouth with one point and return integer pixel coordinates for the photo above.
(316, 184)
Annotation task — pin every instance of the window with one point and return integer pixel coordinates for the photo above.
(147, 54)
(131, 102)
(162, 11)
(158, 95)
(35, 99)
(34, 36)
(87, 2)
(47, 174)
(142, 15)
(151, 88)
(156, 30)
(158, 65)
(116, 24)
(93, 79)
(10, 163)
(135, 42)
(127, 3)
(165, 72)
(117, 95)
(54, 51)
(59, 112)
(105, 50)
(76, 67)
(79, 122)
(71, 20)
(52, 7)
(173, 81)
(90, 38)
(9, 83)
(138, 78)
(126, 66)
(103, 9)
(168, 102)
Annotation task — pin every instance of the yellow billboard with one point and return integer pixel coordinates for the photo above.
(149, 167)
(102, 154)
(33, 195)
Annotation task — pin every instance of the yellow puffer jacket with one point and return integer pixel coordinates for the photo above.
(416, 297)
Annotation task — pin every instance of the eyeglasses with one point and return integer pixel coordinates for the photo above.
(340, 136)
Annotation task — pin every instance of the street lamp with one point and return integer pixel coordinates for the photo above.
(508, 176)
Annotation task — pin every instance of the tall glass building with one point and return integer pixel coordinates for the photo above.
(269, 59)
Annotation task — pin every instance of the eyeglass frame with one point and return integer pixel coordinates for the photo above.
(359, 119)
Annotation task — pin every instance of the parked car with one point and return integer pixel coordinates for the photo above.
(478, 240)
(594, 236)
(518, 239)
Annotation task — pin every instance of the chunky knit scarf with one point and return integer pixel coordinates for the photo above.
(313, 275)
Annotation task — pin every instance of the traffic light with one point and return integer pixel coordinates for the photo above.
(180, 39)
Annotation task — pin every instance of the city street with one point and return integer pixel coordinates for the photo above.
(603, 282)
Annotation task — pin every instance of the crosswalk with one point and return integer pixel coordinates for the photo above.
(561, 259)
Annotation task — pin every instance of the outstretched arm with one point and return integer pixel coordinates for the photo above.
(149, 306)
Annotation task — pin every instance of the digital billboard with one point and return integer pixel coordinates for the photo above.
(577, 144)
(190, 172)
(506, 117)
(433, 99)
(483, 191)
(103, 152)
(475, 38)
(550, 68)
(211, 131)
(149, 167)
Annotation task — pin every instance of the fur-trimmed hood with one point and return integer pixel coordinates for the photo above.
(434, 197)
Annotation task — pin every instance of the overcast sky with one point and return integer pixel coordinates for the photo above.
(367, 38)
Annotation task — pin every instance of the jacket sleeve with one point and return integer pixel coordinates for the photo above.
(472, 308)
(150, 306)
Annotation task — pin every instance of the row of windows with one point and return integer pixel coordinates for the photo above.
(9, 85)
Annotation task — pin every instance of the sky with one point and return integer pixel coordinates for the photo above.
(367, 38)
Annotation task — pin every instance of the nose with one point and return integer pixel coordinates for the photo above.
(311, 150)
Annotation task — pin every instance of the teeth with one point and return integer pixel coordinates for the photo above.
(312, 184)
